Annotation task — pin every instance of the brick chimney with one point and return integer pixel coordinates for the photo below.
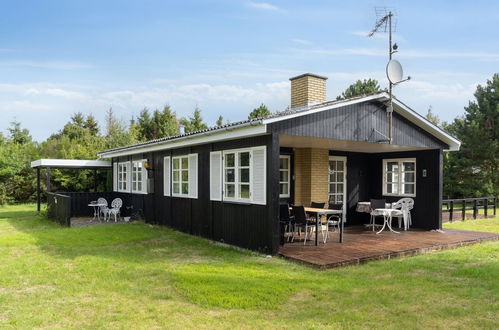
(307, 89)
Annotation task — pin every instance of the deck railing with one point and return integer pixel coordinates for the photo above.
(59, 208)
(461, 205)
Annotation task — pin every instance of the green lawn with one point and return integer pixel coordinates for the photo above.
(142, 276)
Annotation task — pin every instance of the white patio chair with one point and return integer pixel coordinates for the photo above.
(116, 205)
(405, 205)
(103, 209)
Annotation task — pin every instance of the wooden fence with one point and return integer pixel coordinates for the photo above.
(461, 205)
(59, 208)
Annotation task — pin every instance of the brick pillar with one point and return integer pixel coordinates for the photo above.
(311, 175)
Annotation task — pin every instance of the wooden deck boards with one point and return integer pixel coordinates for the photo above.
(362, 245)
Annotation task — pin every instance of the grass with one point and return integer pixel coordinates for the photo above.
(142, 276)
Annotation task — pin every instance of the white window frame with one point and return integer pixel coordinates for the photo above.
(288, 179)
(400, 182)
(344, 182)
(143, 172)
(123, 179)
(237, 183)
(180, 181)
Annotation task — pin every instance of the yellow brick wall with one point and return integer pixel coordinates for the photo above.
(307, 89)
(311, 175)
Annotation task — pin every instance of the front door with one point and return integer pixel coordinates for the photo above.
(338, 181)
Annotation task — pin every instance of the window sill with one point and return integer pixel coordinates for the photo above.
(236, 202)
(398, 195)
(139, 192)
(183, 196)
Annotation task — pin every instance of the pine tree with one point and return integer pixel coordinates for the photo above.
(260, 112)
(360, 87)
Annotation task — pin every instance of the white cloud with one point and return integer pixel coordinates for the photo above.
(262, 5)
(57, 65)
(302, 41)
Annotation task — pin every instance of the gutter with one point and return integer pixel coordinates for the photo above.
(108, 153)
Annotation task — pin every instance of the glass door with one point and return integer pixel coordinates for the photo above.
(338, 181)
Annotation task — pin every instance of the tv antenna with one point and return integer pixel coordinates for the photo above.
(394, 72)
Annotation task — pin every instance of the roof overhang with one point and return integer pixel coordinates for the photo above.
(229, 133)
(71, 163)
(414, 117)
(399, 107)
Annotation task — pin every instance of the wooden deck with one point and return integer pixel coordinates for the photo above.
(362, 245)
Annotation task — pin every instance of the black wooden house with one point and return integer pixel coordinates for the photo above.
(226, 183)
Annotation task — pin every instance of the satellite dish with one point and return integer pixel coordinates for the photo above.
(394, 71)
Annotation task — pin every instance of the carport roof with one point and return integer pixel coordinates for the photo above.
(71, 163)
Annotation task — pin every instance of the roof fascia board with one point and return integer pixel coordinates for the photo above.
(229, 133)
(425, 124)
(70, 163)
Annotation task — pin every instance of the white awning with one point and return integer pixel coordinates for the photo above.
(71, 163)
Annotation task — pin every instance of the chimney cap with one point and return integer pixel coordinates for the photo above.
(308, 74)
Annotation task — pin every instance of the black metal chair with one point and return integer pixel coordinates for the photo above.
(286, 220)
(376, 204)
(317, 205)
(302, 222)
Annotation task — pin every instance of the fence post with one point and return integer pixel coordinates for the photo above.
(463, 207)
(495, 200)
(451, 210)
(485, 207)
(475, 208)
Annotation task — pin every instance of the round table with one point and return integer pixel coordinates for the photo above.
(387, 218)
(96, 207)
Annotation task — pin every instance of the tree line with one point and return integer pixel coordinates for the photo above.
(470, 172)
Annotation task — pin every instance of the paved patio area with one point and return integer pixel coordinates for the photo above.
(362, 245)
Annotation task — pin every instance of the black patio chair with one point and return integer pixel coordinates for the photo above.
(302, 222)
(376, 204)
(286, 220)
(317, 205)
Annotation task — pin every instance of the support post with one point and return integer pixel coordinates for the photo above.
(485, 206)
(451, 210)
(47, 177)
(38, 193)
(475, 208)
(464, 209)
(95, 180)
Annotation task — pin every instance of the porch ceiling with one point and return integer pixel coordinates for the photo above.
(293, 141)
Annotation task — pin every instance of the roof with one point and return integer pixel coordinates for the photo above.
(256, 126)
(71, 163)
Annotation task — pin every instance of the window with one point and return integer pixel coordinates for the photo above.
(123, 176)
(399, 177)
(139, 177)
(284, 175)
(237, 172)
(184, 177)
(239, 175)
(337, 179)
(180, 176)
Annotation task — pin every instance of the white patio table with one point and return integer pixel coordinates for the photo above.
(96, 207)
(387, 218)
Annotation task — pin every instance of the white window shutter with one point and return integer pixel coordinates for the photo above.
(216, 176)
(129, 176)
(115, 176)
(259, 175)
(166, 176)
(193, 175)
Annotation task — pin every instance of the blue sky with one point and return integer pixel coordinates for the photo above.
(227, 57)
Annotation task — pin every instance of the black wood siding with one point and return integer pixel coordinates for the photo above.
(249, 226)
(357, 123)
(364, 181)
